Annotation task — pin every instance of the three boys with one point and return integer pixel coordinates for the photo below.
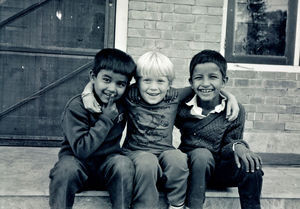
(149, 137)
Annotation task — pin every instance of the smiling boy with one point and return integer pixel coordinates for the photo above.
(90, 153)
(217, 153)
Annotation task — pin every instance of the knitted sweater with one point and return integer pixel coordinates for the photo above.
(213, 132)
(90, 136)
(150, 127)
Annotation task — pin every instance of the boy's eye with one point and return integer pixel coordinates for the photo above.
(121, 84)
(197, 77)
(214, 76)
(146, 80)
(106, 80)
(160, 81)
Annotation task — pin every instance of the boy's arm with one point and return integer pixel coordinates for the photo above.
(89, 100)
(232, 109)
(83, 138)
(233, 143)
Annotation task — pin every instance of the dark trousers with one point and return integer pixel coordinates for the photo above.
(205, 171)
(169, 169)
(70, 175)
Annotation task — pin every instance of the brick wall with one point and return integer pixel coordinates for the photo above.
(180, 29)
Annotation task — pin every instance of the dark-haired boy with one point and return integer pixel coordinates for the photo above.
(89, 155)
(217, 153)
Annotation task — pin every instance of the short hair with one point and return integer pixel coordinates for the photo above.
(156, 64)
(114, 60)
(209, 56)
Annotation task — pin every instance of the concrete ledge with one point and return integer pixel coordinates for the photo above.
(25, 170)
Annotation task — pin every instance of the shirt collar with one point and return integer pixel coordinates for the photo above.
(197, 111)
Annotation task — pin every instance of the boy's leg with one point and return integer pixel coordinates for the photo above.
(201, 164)
(118, 171)
(66, 178)
(147, 171)
(175, 175)
(227, 174)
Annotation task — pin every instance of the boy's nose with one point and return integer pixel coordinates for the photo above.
(111, 87)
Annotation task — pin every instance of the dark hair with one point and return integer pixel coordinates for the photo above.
(114, 60)
(209, 56)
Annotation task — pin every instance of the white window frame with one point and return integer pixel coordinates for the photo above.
(263, 67)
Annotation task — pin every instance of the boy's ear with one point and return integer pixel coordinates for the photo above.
(92, 76)
(225, 80)
(190, 81)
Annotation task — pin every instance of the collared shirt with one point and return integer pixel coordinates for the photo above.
(197, 111)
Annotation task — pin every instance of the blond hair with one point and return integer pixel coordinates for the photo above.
(155, 64)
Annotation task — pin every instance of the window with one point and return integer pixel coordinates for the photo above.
(261, 31)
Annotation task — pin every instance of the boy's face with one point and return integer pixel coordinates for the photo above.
(207, 81)
(109, 84)
(153, 89)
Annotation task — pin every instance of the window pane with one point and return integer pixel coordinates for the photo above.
(260, 27)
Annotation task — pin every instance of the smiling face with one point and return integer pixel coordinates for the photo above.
(153, 89)
(207, 82)
(109, 84)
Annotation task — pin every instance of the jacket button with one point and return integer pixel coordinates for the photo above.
(194, 134)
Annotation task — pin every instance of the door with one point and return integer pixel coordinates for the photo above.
(46, 52)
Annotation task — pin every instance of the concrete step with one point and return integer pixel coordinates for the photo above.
(24, 184)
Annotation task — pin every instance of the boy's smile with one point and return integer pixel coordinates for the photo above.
(207, 82)
(153, 89)
(109, 84)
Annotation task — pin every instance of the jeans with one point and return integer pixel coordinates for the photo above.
(70, 175)
(205, 171)
(169, 170)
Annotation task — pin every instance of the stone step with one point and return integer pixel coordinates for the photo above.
(24, 184)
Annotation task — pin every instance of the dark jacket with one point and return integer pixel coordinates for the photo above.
(90, 136)
(213, 132)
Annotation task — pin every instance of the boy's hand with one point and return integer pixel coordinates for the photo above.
(90, 103)
(251, 160)
(110, 109)
(232, 110)
(133, 94)
(171, 95)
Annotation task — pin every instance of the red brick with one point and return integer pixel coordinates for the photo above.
(241, 82)
(160, 43)
(136, 23)
(183, 9)
(272, 100)
(159, 7)
(210, 2)
(137, 5)
(199, 10)
(279, 84)
(208, 19)
(286, 117)
(287, 100)
(271, 108)
(260, 125)
(144, 15)
(270, 117)
(164, 26)
(292, 126)
(215, 10)
(256, 100)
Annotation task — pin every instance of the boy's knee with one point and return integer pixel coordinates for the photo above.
(67, 169)
(146, 162)
(201, 157)
(122, 165)
(174, 158)
(200, 154)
